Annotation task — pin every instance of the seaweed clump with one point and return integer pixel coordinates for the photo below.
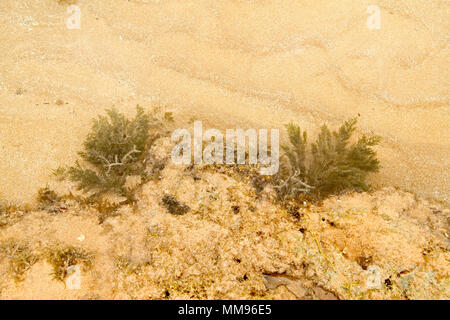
(63, 258)
(20, 257)
(114, 150)
(332, 166)
(50, 201)
(10, 214)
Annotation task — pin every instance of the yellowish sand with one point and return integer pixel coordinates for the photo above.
(233, 64)
(258, 251)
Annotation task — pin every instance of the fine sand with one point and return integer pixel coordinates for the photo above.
(231, 64)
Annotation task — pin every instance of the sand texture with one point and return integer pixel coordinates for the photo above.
(231, 64)
(236, 244)
(256, 64)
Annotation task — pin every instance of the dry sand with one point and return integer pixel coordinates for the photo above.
(232, 63)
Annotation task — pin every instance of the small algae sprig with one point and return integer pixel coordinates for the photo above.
(63, 258)
(67, 2)
(50, 201)
(10, 214)
(21, 258)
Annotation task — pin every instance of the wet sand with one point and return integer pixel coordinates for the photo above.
(232, 64)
